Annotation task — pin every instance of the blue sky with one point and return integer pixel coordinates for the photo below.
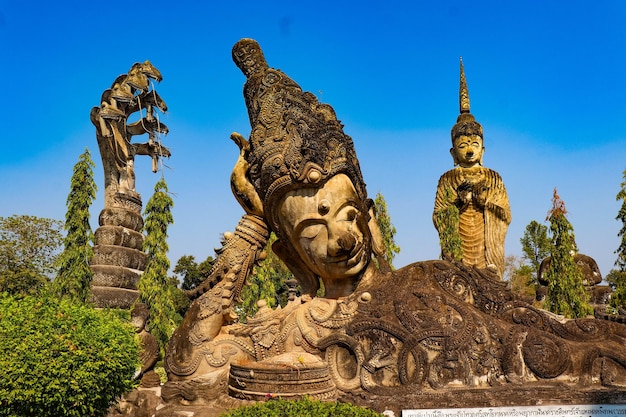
(545, 79)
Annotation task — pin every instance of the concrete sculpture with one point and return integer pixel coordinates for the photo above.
(118, 255)
(432, 332)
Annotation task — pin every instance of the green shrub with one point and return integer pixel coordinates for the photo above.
(301, 408)
(62, 359)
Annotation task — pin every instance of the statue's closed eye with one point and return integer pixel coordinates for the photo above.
(311, 231)
(348, 214)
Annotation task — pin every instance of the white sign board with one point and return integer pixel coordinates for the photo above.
(530, 411)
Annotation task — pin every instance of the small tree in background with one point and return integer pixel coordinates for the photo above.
(566, 292)
(192, 273)
(154, 286)
(180, 300)
(617, 277)
(447, 223)
(519, 276)
(387, 229)
(536, 246)
(29, 248)
(74, 275)
(617, 281)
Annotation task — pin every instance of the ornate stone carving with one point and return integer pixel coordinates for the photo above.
(477, 192)
(118, 254)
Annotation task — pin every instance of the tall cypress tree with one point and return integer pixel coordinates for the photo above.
(617, 277)
(154, 286)
(566, 292)
(74, 275)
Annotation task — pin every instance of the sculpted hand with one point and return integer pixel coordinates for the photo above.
(464, 191)
(480, 195)
(240, 183)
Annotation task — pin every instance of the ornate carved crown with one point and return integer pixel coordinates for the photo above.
(295, 141)
(465, 125)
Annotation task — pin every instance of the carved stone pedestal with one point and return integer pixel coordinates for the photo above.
(288, 376)
(118, 260)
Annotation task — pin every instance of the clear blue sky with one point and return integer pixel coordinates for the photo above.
(546, 81)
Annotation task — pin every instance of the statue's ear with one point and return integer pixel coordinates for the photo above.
(456, 162)
(482, 153)
(378, 244)
(308, 280)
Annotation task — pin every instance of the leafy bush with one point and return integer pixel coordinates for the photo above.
(62, 359)
(301, 408)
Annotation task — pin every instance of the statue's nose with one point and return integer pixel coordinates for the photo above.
(341, 243)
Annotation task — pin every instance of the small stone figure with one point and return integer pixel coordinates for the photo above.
(140, 316)
(477, 192)
(587, 265)
(592, 278)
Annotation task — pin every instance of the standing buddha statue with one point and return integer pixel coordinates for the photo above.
(475, 194)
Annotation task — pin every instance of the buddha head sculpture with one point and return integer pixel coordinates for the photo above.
(299, 172)
(467, 134)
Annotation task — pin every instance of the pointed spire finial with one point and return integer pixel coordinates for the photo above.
(465, 122)
(464, 101)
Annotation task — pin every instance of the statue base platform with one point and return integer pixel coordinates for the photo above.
(503, 396)
(442, 400)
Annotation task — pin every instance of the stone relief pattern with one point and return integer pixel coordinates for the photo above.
(467, 349)
(542, 338)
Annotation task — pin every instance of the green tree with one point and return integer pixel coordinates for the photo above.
(447, 223)
(180, 300)
(536, 246)
(617, 277)
(519, 276)
(74, 275)
(29, 247)
(387, 229)
(267, 282)
(566, 292)
(617, 281)
(62, 359)
(154, 285)
(192, 273)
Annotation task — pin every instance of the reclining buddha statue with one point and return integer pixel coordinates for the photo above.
(425, 328)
